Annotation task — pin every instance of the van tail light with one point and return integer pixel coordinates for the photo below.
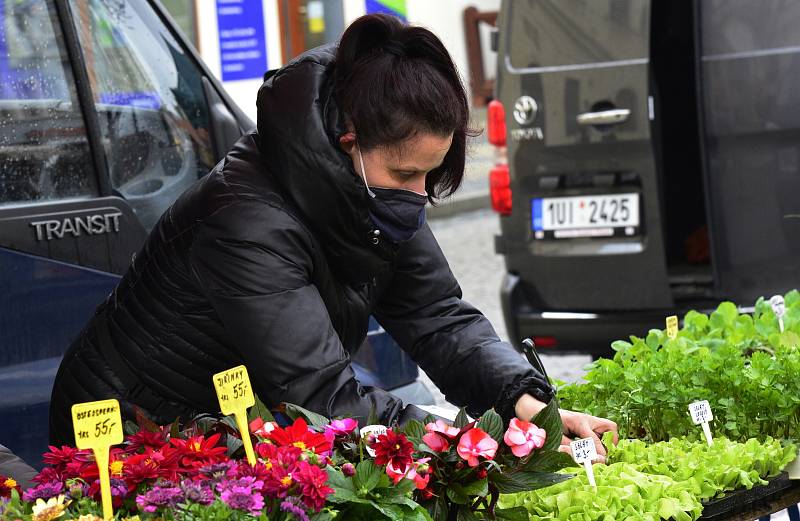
(545, 341)
(500, 189)
(496, 123)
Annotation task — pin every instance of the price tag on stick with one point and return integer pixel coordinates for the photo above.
(584, 452)
(779, 308)
(235, 395)
(672, 327)
(701, 415)
(98, 426)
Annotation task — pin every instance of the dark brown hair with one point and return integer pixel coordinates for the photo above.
(394, 80)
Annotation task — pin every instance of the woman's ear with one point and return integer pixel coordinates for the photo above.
(347, 141)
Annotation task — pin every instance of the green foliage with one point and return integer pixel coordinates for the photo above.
(371, 495)
(742, 364)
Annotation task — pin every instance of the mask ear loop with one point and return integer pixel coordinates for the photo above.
(364, 172)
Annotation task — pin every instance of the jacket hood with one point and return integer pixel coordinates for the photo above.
(299, 126)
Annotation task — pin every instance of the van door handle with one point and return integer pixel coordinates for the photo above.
(604, 117)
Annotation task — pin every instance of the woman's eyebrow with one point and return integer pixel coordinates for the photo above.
(416, 168)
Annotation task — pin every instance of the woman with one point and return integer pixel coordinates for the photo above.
(278, 257)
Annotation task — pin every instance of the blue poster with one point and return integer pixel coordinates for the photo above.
(242, 44)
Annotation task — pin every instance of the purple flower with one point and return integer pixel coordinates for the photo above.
(242, 494)
(159, 496)
(342, 427)
(44, 491)
(118, 488)
(290, 505)
(219, 471)
(197, 492)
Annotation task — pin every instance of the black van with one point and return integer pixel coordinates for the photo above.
(652, 161)
(106, 116)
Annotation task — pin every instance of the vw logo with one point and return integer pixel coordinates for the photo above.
(525, 110)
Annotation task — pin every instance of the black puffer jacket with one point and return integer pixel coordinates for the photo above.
(272, 261)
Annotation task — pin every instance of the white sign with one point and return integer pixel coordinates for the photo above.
(701, 412)
(779, 308)
(701, 415)
(584, 451)
(374, 430)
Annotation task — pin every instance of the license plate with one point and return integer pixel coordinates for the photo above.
(585, 216)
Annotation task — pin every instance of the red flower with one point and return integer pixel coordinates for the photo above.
(419, 472)
(199, 451)
(311, 484)
(145, 439)
(393, 447)
(7, 484)
(279, 482)
(47, 475)
(59, 458)
(476, 443)
(298, 435)
(260, 471)
(152, 465)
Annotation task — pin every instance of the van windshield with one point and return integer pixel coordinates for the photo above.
(547, 33)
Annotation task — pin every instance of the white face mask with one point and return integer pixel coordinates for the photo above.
(364, 172)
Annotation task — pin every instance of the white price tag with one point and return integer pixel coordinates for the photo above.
(584, 451)
(701, 415)
(701, 412)
(375, 430)
(778, 306)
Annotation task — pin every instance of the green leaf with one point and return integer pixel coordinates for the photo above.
(455, 495)
(313, 419)
(548, 461)
(429, 419)
(510, 483)
(259, 410)
(437, 509)
(513, 514)
(492, 424)
(465, 514)
(461, 418)
(366, 477)
(414, 429)
(479, 487)
(549, 419)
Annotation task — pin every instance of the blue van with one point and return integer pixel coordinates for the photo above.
(106, 116)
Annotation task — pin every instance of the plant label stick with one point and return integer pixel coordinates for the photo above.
(779, 308)
(701, 415)
(672, 327)
(375, 430)
(584, 451)
(235, 395)
(98, 426)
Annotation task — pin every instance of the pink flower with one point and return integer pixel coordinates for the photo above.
(476, 443)
(341, 427)
(442, 427)
(523, 437)
(417, 472)
(436, 441)
(261, 428)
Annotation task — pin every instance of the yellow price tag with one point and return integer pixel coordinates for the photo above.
(672, 327)
(235, 395)
(98, 426)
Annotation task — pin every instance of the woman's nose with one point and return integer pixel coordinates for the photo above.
(417, 184)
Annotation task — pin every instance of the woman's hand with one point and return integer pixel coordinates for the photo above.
(576, 424)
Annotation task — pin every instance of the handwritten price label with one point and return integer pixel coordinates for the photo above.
(235, 395)
(672, 327)
(98, 426)
(234, 390)
(778, 305)
(701, 412)
(374, 430)
(583, 450)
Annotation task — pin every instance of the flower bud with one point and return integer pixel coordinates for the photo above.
(481, 473)
(349, 470)
(423, 469)
(426, 493)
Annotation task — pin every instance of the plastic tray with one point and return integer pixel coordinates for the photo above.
(759, 498)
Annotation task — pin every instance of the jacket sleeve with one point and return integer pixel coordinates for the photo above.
(451, 340)
(254, 263)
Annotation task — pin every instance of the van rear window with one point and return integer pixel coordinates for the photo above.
(547, 33)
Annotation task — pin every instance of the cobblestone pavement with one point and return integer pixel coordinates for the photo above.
(467, 241)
